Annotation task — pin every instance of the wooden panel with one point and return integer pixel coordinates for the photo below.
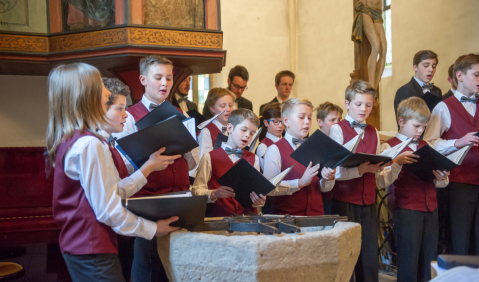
(211, 14)
(176, 38)
(23, 43)
(137, 12)
(91, 39)
(55, 7)
(120, 12)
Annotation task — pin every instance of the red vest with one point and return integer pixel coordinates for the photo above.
(362, 190)
(461, 124)
(81, 233)
(214, 131)
(268, 142)
(307, 201)
(220, 164)
(173, 178)
(410, 191)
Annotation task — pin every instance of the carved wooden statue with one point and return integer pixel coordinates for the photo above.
(368, 18)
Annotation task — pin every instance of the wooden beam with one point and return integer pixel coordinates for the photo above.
(137, 12)
(55, 7)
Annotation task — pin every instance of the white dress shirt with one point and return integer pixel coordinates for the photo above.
(192, 157)
(90, 161)
(391, 173)
(421, 84)
(182, 104)
(204, 139)
(261, 150)
(203, 174)
(441, 122)
(272, 167)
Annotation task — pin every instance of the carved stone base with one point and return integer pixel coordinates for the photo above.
(328, 255)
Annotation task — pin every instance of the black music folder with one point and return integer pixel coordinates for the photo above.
(190, 209)
(163, 112)
(199, 118)
(171, 134)
(431, 100)
(220, 138)
(320, 148)
(430, 159)
(244, 179)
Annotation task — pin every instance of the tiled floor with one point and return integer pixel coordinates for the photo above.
(42, 263)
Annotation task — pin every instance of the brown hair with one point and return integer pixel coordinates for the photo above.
(414, 108)
(450, 72)
(239, 115)
(424, 55)
(215, 94)
(74, 103)
(324, 109)
(272, 110)
(153, 60)
(238, 71)
(465, 63)
(279, 75)
(116, 87)
(359, 87)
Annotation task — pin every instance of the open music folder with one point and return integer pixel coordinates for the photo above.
(252, 144)
(190, 209)
(244, 179)
(430, 159)
(220, 138)
(177, 137)
(163, 112)
(206, 122)
(320, 148)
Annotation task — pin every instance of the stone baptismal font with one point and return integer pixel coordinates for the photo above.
(263, 248)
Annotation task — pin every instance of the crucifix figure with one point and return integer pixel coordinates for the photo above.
(368, 18)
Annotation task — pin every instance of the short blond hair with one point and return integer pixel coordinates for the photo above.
(239, 115)
(359, 87)
(289, 105)
(215, 94)
(324, 109)
(153, 60)
(414, 108)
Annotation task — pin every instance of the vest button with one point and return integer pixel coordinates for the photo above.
(174, 171)
(237, 209)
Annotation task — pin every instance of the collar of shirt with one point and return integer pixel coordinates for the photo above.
(453, 91)
(103, 133)
(232, 157)
(146, 102)
(289, 138)
(279, 100)
(350, 119)
(178, 98)
(272, 137)
(219, 125)
(418, 81)
(404, 138)
(458, 95)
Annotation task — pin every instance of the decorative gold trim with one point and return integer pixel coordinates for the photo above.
(23, 43)
(112, 37)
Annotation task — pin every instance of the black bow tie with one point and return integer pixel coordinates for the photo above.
(470, 100)
(428, 86)
(112, 141)
(414, 142)
(224, 129)
(297, 141)
(237, 152)
(182, 99)
(357, 124)
(153, 106)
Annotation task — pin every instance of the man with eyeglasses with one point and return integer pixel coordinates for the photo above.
(284, 81)
(238, 84)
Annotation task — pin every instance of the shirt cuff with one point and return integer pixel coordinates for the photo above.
(450, 143)
(210, 201)
(150, 228)
(139, 179)
(326, 186)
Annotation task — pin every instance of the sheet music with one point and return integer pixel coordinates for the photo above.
(205, 123)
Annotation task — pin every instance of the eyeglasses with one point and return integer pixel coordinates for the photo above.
(275, 122)
(244, 88)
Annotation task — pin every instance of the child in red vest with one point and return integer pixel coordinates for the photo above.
(218, 100)
(156, 75)
(300, 192)
(453, 124)
(88, 184)
(415, 214)
(242, 125)
(354, 193)
(273, 125)
(327, 115)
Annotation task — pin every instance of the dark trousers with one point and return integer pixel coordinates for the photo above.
(444, 241)
(464, 218)
(93, 268)
(366, 268)
(147, 266)
(327, 204)
(416, 235)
